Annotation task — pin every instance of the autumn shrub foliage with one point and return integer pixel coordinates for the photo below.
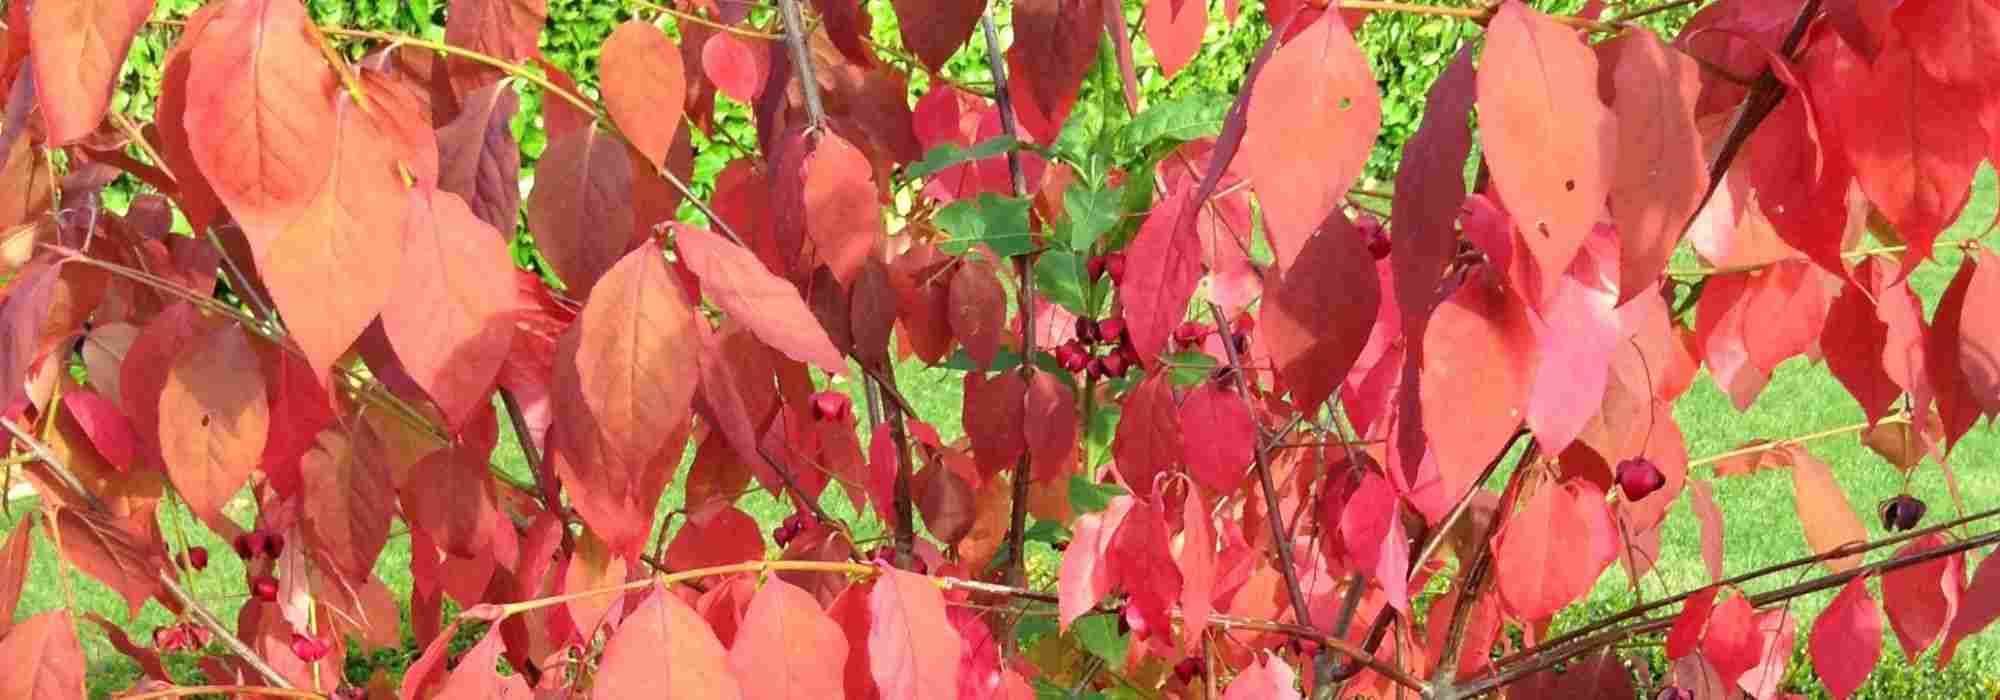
(1292, 438)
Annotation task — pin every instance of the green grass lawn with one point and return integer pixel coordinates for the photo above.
(1760, 527)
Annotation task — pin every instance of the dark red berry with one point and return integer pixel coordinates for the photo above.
(309, 649)
(1188, 669)
(247, 545)
(1114, 265)
(197, 635)
(1086, 331)
(1072, 357)
(1639, 477)
(1902, 512)
(1243, 324)
(170, 638)
(1114, 365)
(264, 587)
(1375, 234)
(1191, 333)
(274, 545)
(832, 405)
(194, 558)
(1111, 330)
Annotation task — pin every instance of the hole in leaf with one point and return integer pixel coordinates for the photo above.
(1569, 185)
(204, 421)
(1543, 228)
(1346, 102)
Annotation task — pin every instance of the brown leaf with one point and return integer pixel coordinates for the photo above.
(580, 209)
(1828, 520)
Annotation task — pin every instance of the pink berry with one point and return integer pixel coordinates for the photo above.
(1072, 356)
(1191, 333)
(194, 558)
(264, 587)
(832, 405)
(1188, 669)
(309, 649)
(247, 545)
(274, 545)
(1639, 477)
(1114, 364)
(1111, 330)
(1114, 265)
(1087, 331)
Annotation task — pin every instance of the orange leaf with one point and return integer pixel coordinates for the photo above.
(213, 418)
(663, 644)
(1823, 510)
(746, 290)
(78, 48)
(913, 651)
(842, 217)
(450, 325)
(1314, 112)
(349, 502)
(48, 662)
(645, 87)
(1660, 175)
(1547, 135)
(787, 647)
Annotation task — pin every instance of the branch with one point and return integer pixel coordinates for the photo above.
(1473, 580)
(207, 619)
(795, 38)
(1764, 96)
(1766, 447)
(1548, 655)
(1003, 97)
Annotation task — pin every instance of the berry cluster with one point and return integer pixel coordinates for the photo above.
(1101, 348)
(793, 525)
(185, 636)
(256, 543)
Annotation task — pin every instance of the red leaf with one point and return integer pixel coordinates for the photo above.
(645, 87)
(14, 556)
(1951, 38)
(148, 658)
(1922, 599)
(1548, 137)
(505, 29)
(1218, 458)
(713, 536)
(1551, 552)
(1049, 426)
(850, 611)
(1474, 385)
(1313, 117)
(847, 24)
(993, 419)
(1162, 270)
(913, 650)
(1823, 510)
(454, 503)
(1085, 577)
(749, 293)
(349, 503)
(1958, 406)
(110, 432)
(1661, 173)
(934, 29)
(49, 661)
(978, 311)
(1141, 563)
(1175, 32)
(580, 209)
(787, 647)
(1317, 321)
(1906, 135)
(1475, 651)
(213, 419)
(1688, 625)
(78, 48)
(1266, 679)
(1979, 334)
(1430, 186)
(1149, 435)
(1701, 497)
(1371, 532)
(451, 328)
(1730, 643)
(738, 65)
(1055, 44)
(1197, 564)
(479, 161)
(1847, 639)
(1855, 338)
(1747, 323)
(664, 644)
(1979, 607)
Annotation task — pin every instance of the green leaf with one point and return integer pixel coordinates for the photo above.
(1048, 531)
(1184, 119)
(1099, 635)
(1005, 359)
(1191, 367)
(1059, 278)
(1089, 213)
(1001, 223)
(1031, 628)
(1087, 496)
(950, 154)
(1097, 435)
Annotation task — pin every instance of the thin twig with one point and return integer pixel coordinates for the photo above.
(1017, 529)
(1763, 98)
(207, 619)
(1787, 442)
(795, 38)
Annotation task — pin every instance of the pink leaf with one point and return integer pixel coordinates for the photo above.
(1313, 117)
(1847, 639)
(913, 650)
